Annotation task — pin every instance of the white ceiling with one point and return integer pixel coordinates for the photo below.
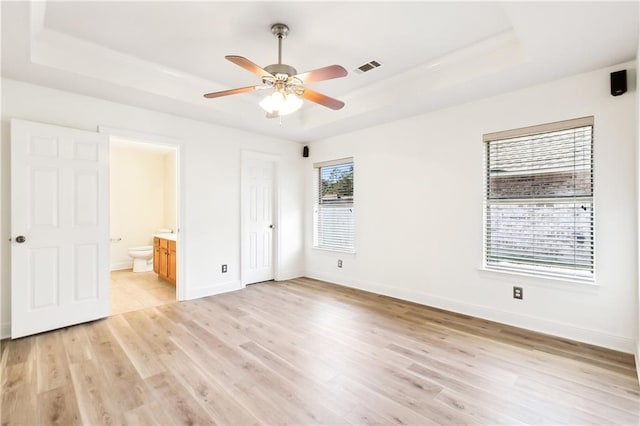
(165, 55)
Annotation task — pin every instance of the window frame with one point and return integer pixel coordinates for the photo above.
(317, 204)
(530, 269)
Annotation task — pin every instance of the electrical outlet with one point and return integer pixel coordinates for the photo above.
(517, 293)
(224, 269)
(339, 263)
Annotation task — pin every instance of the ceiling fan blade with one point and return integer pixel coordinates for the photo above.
(321, 99)
(326, 73)
(248, 65)
(232, 91)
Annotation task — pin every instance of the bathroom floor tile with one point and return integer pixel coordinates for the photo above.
(134, 291)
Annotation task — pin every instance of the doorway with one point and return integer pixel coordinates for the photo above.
(143, 223)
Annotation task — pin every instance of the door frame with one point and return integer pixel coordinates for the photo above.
(178, 144)
(246, 155)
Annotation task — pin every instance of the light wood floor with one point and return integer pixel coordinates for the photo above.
(307, 352)
(132, 291)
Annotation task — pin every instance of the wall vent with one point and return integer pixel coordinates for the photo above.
(367, 67)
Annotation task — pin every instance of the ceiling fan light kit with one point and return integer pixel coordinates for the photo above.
(281, 104)
(286, 85)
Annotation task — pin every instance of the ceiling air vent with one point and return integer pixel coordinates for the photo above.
(367, 67)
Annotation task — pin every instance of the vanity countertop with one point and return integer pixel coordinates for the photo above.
(167, 236)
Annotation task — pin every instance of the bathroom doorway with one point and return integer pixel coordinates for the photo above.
(143, 223)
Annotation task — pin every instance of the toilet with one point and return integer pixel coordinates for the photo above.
(142, 258)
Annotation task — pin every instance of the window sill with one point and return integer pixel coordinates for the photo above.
(328, 250)
(539, 278)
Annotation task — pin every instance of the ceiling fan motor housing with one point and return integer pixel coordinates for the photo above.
(276, 69)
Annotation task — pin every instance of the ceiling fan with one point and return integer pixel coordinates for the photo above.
(288, 86)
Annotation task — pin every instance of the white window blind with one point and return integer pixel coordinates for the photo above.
(334, 210)
(539, 200)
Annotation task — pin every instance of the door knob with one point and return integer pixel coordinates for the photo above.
(272, 226)
(20, 239)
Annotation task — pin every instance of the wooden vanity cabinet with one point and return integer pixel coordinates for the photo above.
(172, 262)
(156, 255)
(164, 259)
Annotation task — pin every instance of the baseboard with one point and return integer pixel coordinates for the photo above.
(567, 331)
(213, 289)
(638, 359)
(5, 330)
(288, 275)
(117, 266)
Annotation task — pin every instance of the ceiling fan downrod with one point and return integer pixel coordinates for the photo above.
(280, 31)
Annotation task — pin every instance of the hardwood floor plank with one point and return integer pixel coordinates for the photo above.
(307, 390)
(307, 352)
(14, 403)
(58, 407)
(20, 351)
(113, 361)
(616, 413)
(315, 364)
(385, 409)
(96, 404)
(216, 399)
(141, 356)
(51, 361)
(531, 409)
(19, 375)
(77, 344)
(480, 413)
(176, 401)
(149, 414)
(150, 332)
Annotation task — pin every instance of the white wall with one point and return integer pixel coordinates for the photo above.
(418, 207)
(210, 161)
(170, 200)
(137, 192)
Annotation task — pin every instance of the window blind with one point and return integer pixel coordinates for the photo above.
(539, 201)
(334, 206)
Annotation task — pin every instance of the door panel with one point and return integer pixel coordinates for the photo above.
(44, 288)
(44, 198)
(86, 202)
(59, 203)
(86, 282)
(257, 247)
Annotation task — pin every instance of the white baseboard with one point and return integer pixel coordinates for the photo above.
(213, 289)
(638, 359)
(288, 275)
(541, 325)
(117, 266)
(5, 330)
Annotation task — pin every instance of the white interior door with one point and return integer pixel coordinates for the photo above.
(258, 224)
(59, 225)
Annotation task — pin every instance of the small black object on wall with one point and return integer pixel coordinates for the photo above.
(618, 82)
(305, 151)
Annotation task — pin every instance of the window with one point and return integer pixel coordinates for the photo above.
(539, 199)
(333, 209)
